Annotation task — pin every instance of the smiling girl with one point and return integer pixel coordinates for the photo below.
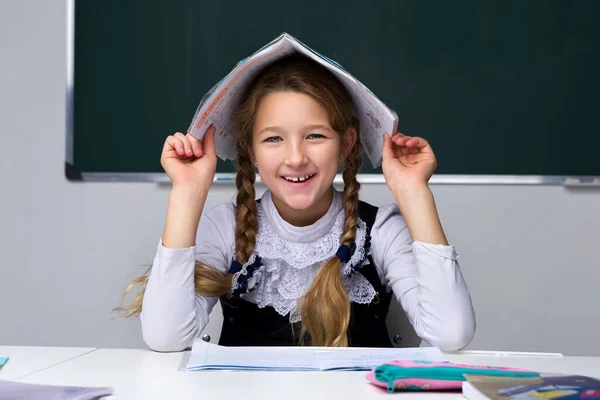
(305, 263)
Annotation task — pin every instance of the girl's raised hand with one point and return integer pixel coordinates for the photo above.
(407, 160)
(189, 161)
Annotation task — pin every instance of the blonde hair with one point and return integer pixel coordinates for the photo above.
(325, 308)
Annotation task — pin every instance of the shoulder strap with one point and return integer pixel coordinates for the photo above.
(368, 213)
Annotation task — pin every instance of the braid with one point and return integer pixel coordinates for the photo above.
(246, 216)
(351, 189)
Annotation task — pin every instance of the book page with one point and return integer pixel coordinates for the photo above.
(219, 104)
(209, 356)
(367, 359)
(374, 116)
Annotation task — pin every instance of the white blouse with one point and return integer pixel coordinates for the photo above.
(425, 278)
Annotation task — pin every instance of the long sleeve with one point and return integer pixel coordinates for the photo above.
(426, 280)
(173, 315)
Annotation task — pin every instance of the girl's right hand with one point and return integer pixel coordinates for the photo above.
(189, 161)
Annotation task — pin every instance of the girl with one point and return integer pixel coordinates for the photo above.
(304, 264)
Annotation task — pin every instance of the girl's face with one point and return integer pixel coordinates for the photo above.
(298, 154)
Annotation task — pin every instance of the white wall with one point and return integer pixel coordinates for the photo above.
(529, 253)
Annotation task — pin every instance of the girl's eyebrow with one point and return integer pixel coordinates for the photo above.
(308, 127)
(275, 129)
(281, 131)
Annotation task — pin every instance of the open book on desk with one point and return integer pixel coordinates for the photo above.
(209, 356)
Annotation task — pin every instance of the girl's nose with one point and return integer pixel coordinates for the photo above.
(296, 156)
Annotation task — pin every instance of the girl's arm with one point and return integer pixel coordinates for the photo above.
(417, 205)
(173, 315)
(426, 280)
(408, 163)
(183, 215)
(412, 251)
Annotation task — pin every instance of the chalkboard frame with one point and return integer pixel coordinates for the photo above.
(228, 178)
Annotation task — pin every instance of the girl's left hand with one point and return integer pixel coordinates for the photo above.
(407, 160)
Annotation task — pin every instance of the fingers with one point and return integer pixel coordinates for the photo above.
(417, 158)
(387, 151)
(413, 145)
(173, 145)
(408, 150)
(184, 146)
(196, 146)
(402, 150)
(209, 141)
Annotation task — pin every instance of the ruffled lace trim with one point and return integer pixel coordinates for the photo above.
(269, 244)
(248, 274)
(287, 269)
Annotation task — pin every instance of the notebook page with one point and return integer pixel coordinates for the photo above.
(366, 359)
(208, 356)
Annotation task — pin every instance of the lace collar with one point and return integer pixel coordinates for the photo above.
(286, 259)
(300, 234)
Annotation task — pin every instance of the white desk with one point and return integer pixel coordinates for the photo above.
(142, 374)
(26, 360)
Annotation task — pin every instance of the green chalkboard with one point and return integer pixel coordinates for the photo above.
(507, 87)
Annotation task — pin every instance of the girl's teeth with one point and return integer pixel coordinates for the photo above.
(300, 179)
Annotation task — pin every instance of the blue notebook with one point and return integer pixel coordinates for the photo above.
(544, 387)
(3, 361)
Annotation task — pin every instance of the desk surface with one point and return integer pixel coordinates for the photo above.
(136, 374)
(26, 360)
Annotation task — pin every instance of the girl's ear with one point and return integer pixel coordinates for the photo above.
(348, 140)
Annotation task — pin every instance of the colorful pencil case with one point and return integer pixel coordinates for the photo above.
(429, 375)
